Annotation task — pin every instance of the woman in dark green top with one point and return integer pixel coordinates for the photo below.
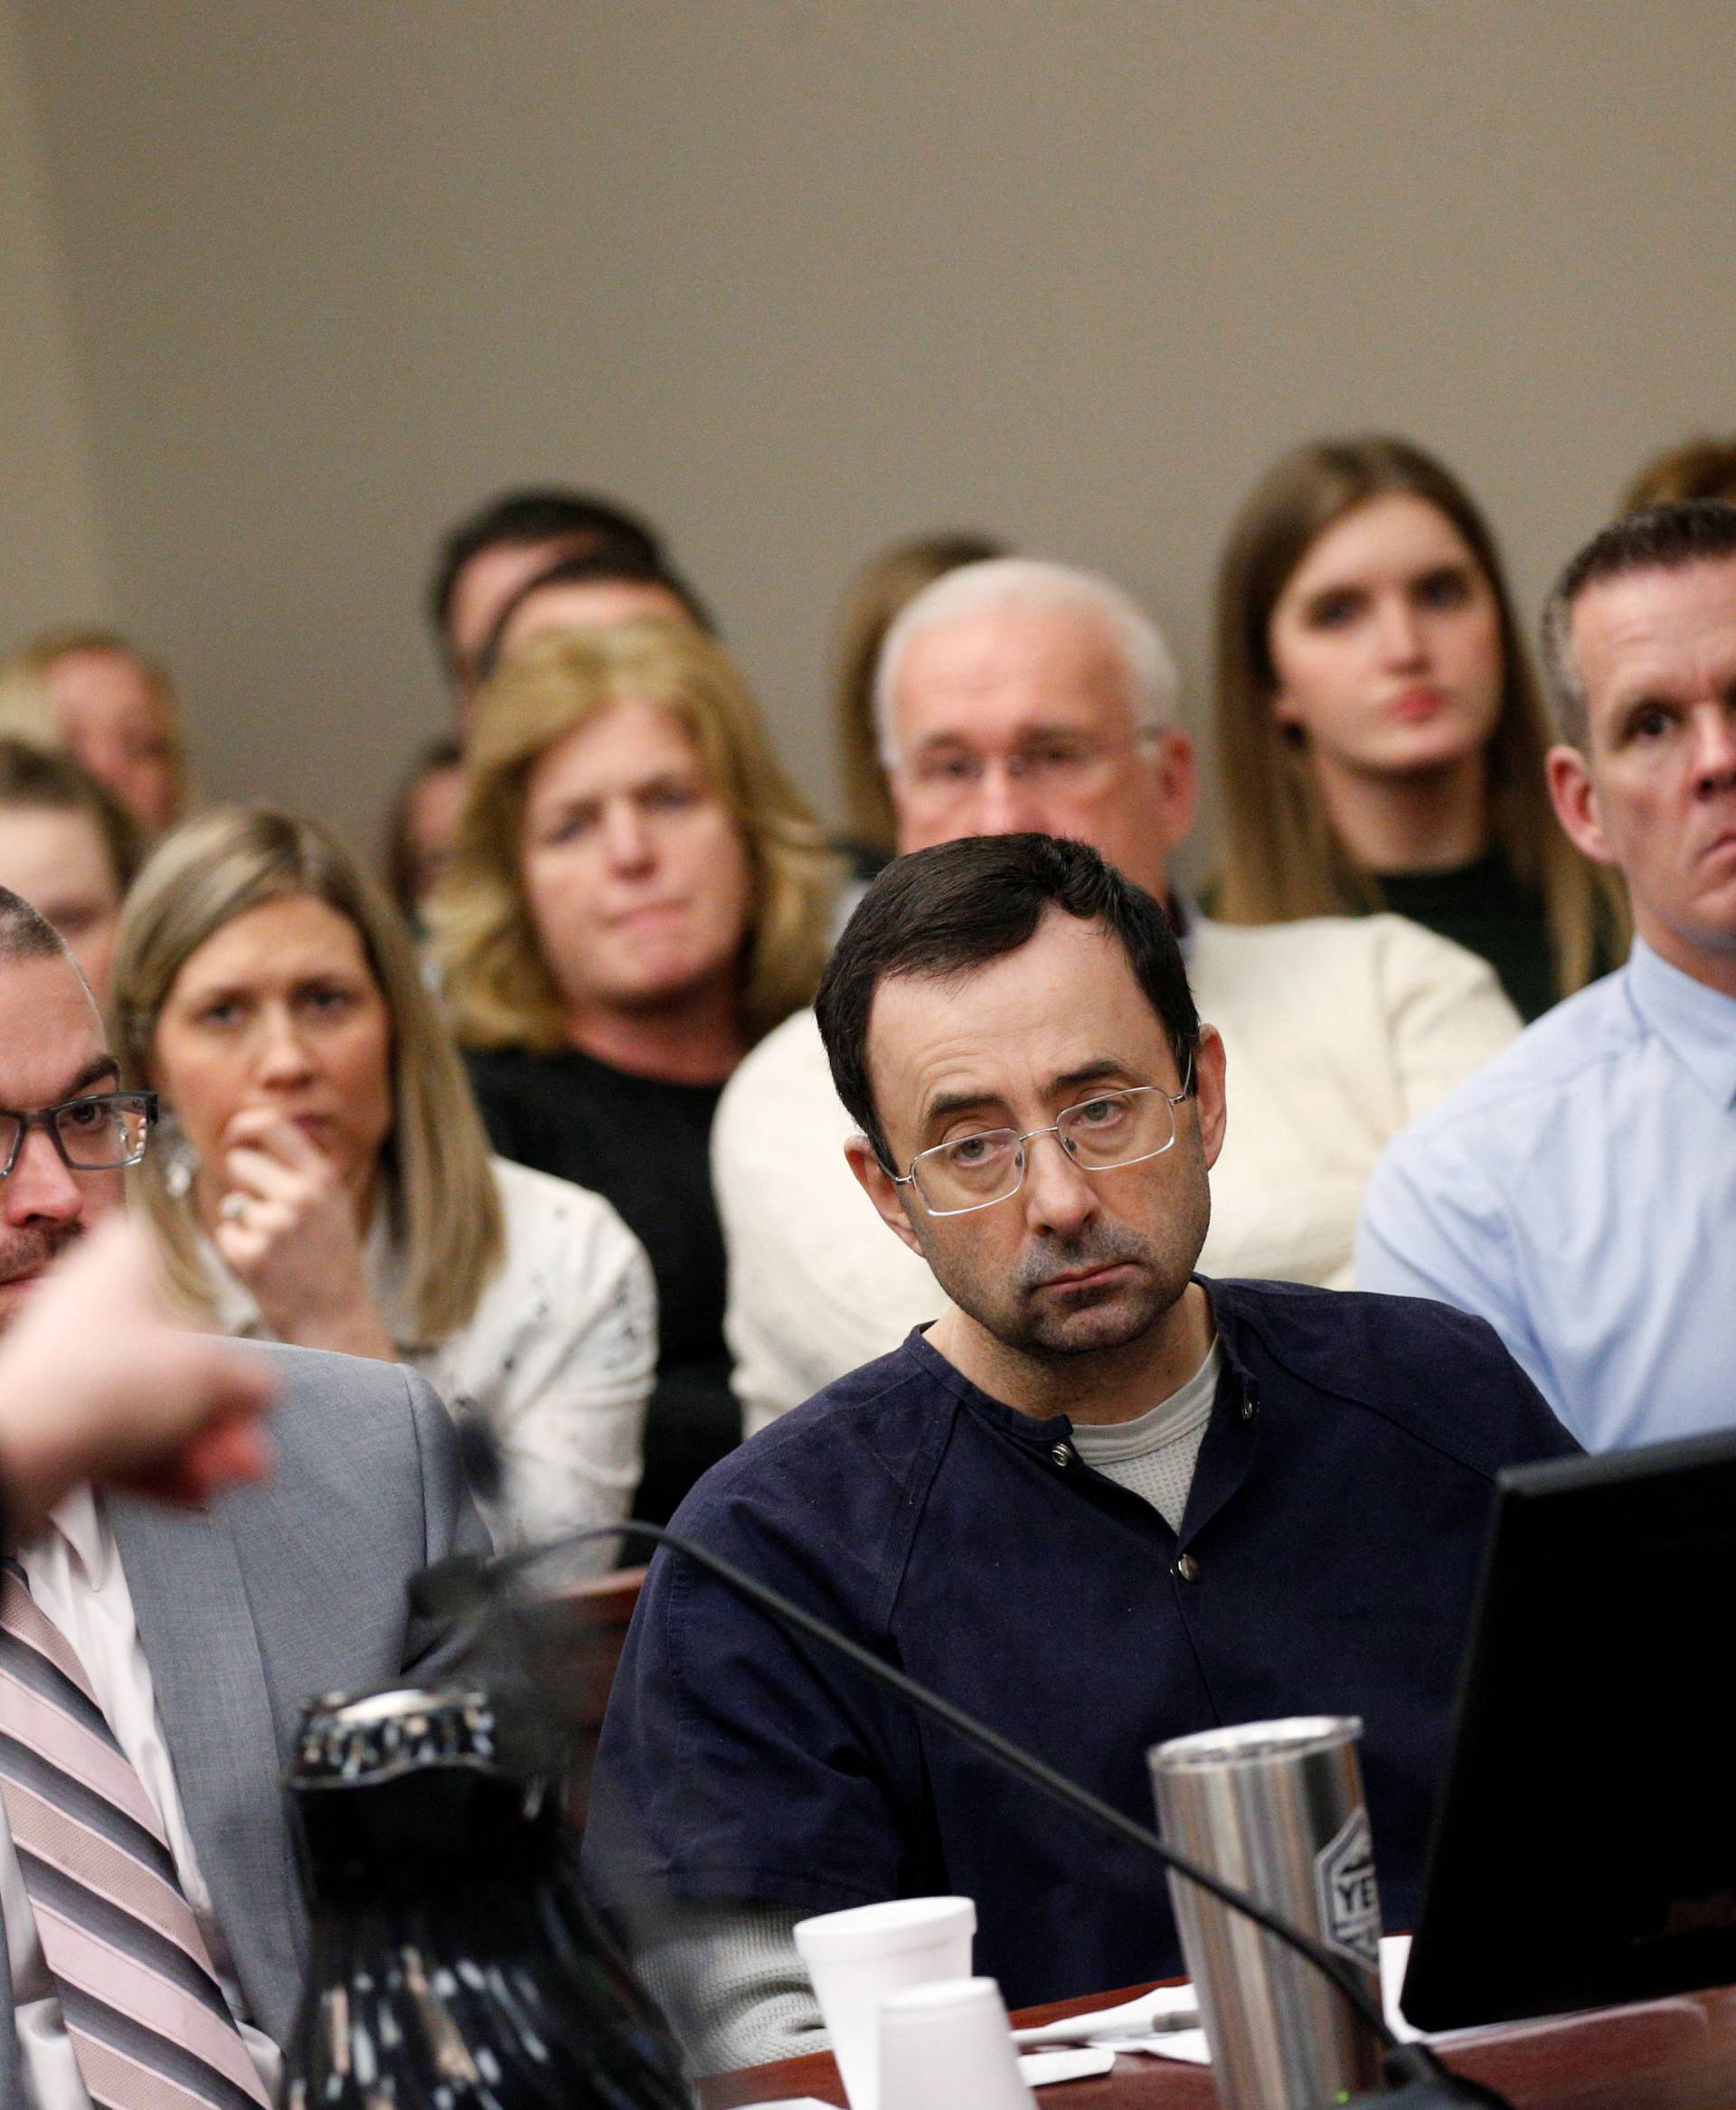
(1380, 733)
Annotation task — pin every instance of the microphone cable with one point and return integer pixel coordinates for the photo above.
(466, 1585)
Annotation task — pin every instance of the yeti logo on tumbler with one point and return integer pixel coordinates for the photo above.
(1350, 1897)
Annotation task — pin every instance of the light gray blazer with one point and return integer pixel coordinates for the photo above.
(273, 1595)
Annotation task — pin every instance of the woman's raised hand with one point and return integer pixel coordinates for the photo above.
(286, 1228)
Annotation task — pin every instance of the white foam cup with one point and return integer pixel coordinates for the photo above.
(946, 2046)
(855, 1958)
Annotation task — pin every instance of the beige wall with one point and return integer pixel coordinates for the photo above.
(798, 275)
(52, 566)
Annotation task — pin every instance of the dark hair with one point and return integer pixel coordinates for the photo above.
(945, 911)
(515, 519)
(25, 933)
(399, 862)
(50, 780)
(1661, 538)
(1698, 468)
(592, 567)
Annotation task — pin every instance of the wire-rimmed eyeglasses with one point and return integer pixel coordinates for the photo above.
(1100, 1135)
(99, 1133)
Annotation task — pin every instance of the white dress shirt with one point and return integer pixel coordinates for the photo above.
(1339, 1031)
(558, 1358)
(73, 1566)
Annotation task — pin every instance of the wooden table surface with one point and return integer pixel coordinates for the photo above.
(1674, 2054)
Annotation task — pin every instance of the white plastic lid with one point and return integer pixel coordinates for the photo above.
(882, 1930)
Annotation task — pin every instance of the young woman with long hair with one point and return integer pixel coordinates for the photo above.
(1380, 733)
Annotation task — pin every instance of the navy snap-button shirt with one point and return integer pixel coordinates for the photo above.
(1326, 1565)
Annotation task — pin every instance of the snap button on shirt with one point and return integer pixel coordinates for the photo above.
(1188, 1568)
(1062, 1455)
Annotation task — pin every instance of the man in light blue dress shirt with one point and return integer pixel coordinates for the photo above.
(1579, 1191)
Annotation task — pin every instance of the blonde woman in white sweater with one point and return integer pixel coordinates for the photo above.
(327, 1181)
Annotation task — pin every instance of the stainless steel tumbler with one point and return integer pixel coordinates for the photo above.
(1276, 1808)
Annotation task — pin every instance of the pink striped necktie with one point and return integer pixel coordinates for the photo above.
(147, 2020)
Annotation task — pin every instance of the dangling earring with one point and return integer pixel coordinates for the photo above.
(179, 1160)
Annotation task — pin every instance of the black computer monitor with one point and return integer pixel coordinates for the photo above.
(1584, 1844)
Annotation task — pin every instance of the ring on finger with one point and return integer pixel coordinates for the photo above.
(232, 1208)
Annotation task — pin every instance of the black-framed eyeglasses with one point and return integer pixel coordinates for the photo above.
(1100, 1135)
(98, 1132)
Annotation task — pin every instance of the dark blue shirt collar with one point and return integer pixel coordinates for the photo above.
(1225, 1454)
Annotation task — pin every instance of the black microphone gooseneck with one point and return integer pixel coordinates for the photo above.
(467, 1585)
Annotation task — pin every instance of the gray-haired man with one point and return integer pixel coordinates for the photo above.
(1019, 695)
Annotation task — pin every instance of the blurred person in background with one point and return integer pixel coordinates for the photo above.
(639, 895)
(1018, 696)
(330, 1185)
(483, 560)
(69, 848)
(111, 705)
(1380, 736)
(420, 826)
(890, 579)
(1698, 468)
(597, 591)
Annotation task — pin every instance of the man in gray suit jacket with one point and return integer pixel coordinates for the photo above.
(175, 1648)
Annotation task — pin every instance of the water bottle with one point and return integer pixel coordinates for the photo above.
(1276, 1809)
